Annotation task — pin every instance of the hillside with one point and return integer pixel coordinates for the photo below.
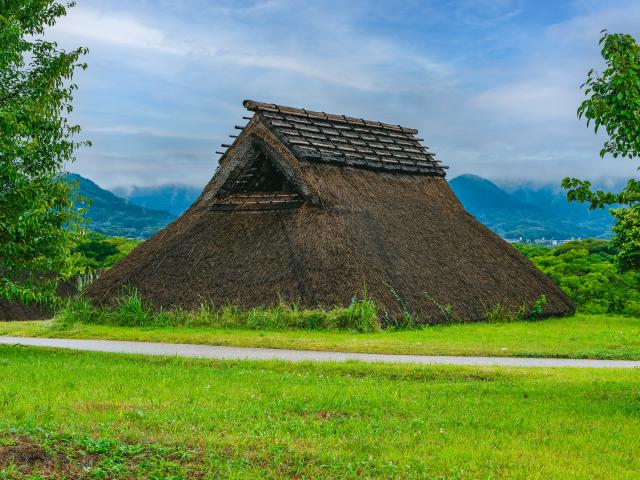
(115, 216)
(529, 212)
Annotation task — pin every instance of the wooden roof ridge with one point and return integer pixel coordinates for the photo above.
(255, 106)
(348, 141)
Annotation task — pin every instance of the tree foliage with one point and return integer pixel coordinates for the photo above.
(613, 102)
(37, 214)
(614, 96)
(98, 252)
(585, 270)
(626, 237)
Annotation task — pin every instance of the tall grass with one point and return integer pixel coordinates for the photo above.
(407, 320)
(130, 310)
(362, 315)
(532, 311)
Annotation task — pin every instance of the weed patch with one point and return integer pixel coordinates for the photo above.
(130, 310)
(35, 453)
(500, 313)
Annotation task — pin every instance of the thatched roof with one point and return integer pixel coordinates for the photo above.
(16, 310)
(20, 311)
(311, 207)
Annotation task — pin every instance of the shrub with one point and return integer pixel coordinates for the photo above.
(632, 308)
(536, 308)
(362, 314)
(585, 270)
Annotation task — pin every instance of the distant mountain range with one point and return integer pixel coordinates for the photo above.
(115, 216)
(529, 212)
(512, 211)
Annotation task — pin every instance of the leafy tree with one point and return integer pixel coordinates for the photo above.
(37, 214)
(96, 251)
(613, 102)
(586, 272)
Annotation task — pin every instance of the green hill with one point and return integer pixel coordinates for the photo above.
(114, 216)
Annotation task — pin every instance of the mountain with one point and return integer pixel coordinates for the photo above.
(477, 193)
(115, 216)
(173, 198)
(554, 199)
(529, 212)
(511, 210)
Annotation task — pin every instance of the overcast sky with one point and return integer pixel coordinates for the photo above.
(492, 85)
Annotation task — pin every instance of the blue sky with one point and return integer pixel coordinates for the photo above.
(493, 86)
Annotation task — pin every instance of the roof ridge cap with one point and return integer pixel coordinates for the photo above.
(255, 106)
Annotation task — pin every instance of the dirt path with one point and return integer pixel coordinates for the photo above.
(241, 353)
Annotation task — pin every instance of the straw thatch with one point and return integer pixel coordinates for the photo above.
(16, 310)
(20, 311)
(311, 208)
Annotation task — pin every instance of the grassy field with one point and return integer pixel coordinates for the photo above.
(212, 419)
(580, 336)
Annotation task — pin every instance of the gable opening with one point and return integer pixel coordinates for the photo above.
(258, 186)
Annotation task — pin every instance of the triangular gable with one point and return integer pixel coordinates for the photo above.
(259, 185)
(253, 176)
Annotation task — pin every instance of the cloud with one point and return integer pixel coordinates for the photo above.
(487, 13)
(160, 167)
(544, 98)
(580, 31)
(372, 69)
(319, 53)
(144, 131)
(529, 107)
(113, 29)
(492, 85)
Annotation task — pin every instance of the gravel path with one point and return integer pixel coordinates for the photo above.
(242, 353)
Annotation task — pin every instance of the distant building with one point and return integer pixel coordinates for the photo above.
(545, 242)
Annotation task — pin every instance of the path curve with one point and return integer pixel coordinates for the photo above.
(243, 353)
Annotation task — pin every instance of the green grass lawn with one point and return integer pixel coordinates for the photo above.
(148, 417)
(580, 336)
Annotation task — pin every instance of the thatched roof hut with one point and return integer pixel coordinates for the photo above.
(311, 207)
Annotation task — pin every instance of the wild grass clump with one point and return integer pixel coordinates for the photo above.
(362, 314)
(46, 454)
(407, 320)
(131, 310)
(77, 309)
(500, 313)
(410, 320)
